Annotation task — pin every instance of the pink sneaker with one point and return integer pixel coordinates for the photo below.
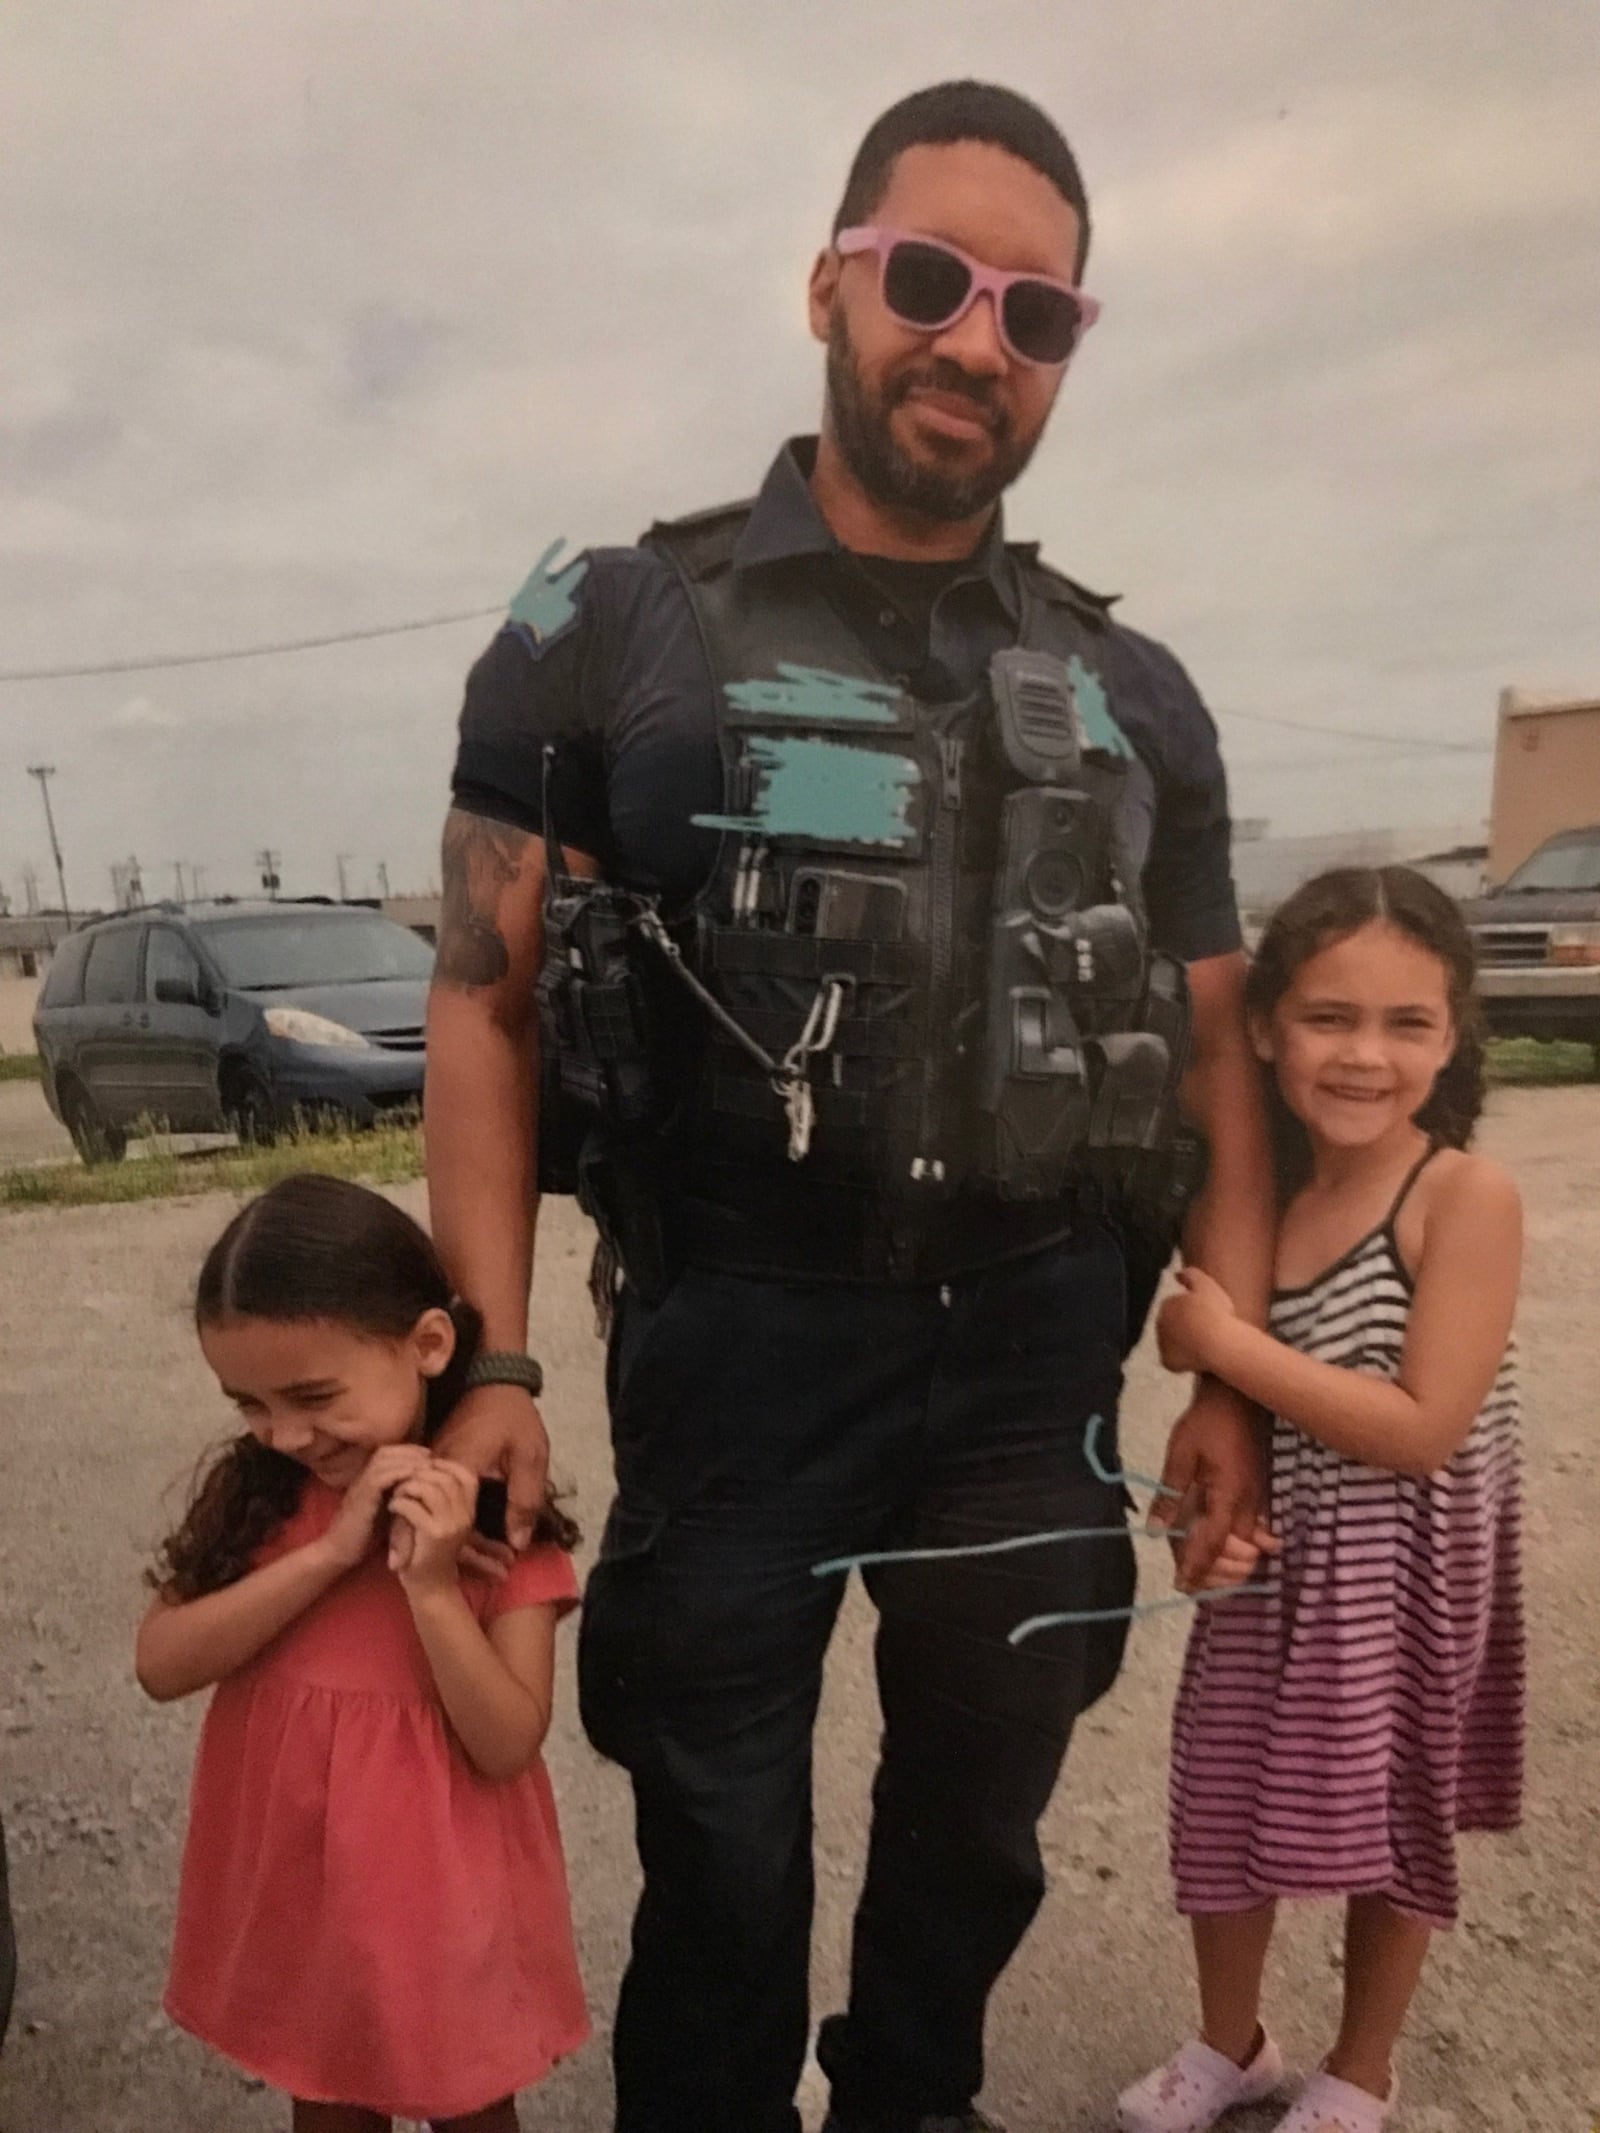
(1329, 2105)
(1196, 2087)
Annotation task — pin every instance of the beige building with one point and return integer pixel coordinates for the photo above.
(1546, 773)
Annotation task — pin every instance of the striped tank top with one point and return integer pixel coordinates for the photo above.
(1334, 1733)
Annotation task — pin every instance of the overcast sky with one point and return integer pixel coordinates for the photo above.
(327, 314)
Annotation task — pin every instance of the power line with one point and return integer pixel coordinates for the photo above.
(247, 651)
(1410, 745)
(154, 663)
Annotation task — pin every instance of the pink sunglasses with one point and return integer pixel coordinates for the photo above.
(929, 284)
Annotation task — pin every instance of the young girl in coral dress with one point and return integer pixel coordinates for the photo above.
(373, 1911)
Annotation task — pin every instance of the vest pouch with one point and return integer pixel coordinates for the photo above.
(1037, 1112)
(592, 1003)
(1131, 1073)
(1165, 1011)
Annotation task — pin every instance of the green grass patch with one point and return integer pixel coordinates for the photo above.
(1527, 1061)
(19, 1066)
(388, 1155)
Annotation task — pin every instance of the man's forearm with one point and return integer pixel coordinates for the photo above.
(1233, 1223)
(481, 1131)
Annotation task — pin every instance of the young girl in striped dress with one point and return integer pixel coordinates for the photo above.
(1335, 1729)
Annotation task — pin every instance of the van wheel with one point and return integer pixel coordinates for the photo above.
(248, 1107)
(95, 1140)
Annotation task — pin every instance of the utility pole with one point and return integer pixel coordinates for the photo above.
(339, 859)
(267, 861)
(44, 772)
(196, 876)
(30, 890)
(383, 880)
(177, 870)
(127, 884)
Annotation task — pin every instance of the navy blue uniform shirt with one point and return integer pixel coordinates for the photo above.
(616, 679)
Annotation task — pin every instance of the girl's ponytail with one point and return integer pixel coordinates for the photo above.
(447, 1388)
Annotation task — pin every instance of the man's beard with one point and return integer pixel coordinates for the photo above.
(890, 476)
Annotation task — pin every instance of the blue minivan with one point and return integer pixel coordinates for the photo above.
(215, 1017)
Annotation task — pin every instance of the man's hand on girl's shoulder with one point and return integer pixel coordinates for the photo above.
(498, 1430)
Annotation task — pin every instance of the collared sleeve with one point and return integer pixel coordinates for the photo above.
(528, 690)
(1188, 875)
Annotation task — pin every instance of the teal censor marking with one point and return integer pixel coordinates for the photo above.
(1035, 1623)
(1100, 729)
(827, 790)
(818, 697)
(1015, 1541)
(545, 603)
(1129, 1477)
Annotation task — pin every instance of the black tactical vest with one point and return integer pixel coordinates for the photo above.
(838, 1117)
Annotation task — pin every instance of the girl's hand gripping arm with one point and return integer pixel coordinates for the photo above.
(186, 1645)
(1456, 1334)
(495, 1684)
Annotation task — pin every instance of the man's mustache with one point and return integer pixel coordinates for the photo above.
(944, 376)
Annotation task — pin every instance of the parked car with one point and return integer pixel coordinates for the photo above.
(241, 1016)
(1538, 942)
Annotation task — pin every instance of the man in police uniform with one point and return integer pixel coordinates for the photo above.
(840, 1333)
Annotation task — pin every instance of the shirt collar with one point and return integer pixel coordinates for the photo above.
(785, 523)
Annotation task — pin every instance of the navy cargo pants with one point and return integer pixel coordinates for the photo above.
(759, 1429)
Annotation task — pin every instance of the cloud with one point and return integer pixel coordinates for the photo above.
(322, 314)
(140, 715)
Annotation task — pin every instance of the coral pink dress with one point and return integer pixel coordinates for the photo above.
(363, 1919)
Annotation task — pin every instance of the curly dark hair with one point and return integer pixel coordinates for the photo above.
(310, 1248)
(1327, 909)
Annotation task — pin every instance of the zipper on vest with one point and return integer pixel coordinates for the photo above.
(942, 917)
(929, 1164)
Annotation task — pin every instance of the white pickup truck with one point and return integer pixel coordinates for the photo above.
(1538, 942)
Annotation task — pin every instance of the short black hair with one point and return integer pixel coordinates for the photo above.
(963, 111)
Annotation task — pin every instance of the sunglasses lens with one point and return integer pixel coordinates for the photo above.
(923, 284)
(1042, 322)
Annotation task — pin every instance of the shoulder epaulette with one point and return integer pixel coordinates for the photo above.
(702, 541)
(1053, 583)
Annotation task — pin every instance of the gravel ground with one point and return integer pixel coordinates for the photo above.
(105, 1406)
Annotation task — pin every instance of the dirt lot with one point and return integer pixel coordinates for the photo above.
(29, 1132)
(105, 1404)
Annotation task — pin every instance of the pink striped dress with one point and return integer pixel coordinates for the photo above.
(1332, 1735)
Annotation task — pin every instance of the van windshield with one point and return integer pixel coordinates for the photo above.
(287, 949)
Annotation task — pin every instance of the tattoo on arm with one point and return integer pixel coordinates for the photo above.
(481, 860)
